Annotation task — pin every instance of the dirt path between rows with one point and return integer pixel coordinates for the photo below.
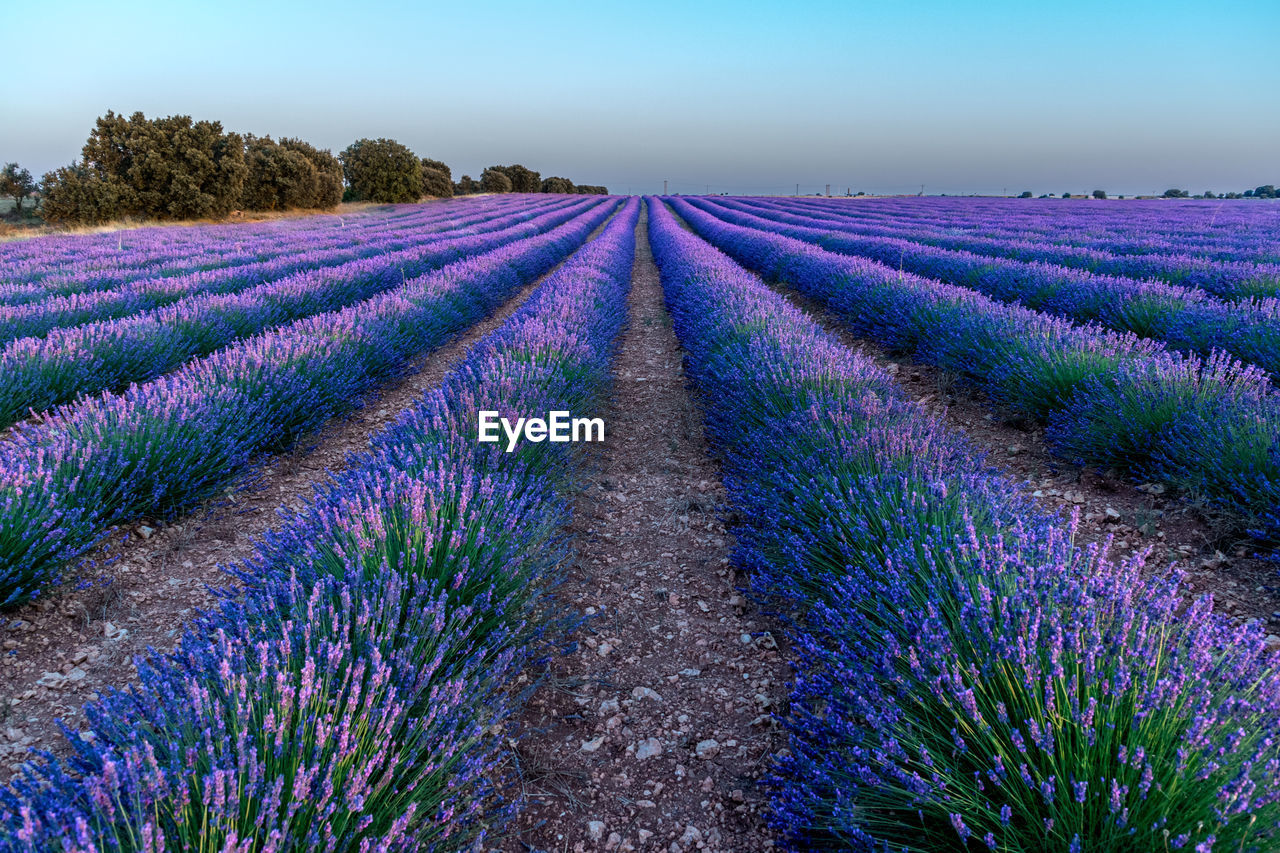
(59, 651)
(1136, 516)
(653, 733)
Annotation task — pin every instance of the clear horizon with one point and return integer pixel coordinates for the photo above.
(745, 98)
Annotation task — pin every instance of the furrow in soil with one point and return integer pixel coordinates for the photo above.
(652, 734)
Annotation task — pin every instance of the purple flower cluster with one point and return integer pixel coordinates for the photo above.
(37, 373)
(160, 446)
(1233, 231)
(1208, 426)
(966, 678)
(35, 270)
(313, 249)
(356, 695)
(1167, 242)
(1184, 318)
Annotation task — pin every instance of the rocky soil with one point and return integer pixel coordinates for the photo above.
(653, 733)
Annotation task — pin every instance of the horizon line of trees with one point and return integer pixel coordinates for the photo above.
(1264, 191)
(384, 170)
(518, 179)
(176, 168)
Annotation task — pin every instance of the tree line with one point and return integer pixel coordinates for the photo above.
(383, 170)
(1264, 191)
(177, 168)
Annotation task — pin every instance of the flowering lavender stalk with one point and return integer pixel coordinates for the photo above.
(967, 679)
(355, 697)
(160, 446)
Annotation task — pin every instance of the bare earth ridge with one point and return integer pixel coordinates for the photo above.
(652, 735)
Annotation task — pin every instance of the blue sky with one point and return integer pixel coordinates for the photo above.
(739, 97)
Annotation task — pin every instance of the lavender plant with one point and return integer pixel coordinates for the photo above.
(1078, 377)
(356, 696)
(48, 270)
(1185, 319)
(38, 373)
(1173, 248)
(966, 678)
(305, 251)
(163, 445)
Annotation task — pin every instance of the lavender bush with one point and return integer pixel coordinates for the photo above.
(1184, 318)
(1078, 378)
(37, 373)
(966, 677)
(355, 697)
(158, 447)
(1164, 243)
(46, 268)
(306, 251)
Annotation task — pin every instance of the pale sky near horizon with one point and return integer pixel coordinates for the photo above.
(746, 97)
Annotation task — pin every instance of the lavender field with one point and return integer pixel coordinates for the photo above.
(917, 639)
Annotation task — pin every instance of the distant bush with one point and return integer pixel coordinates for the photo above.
(557, 185)
(525, 180)
(17, 183)
(289, 174)
(328, 187)
(1175, 194)
(279, 178)
(437, 178)
(382, 170)
(167, 168)
(494, 180)
(1264, 191)
(1099, 194)
(522, 180)
(466, 185)
(1066, 195)
(78, 195)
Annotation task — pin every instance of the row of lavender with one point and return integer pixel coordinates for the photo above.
(37, 373)
(1176, 264)
(119, 256)
(1210, 427)
(354, 697)
(1231, 231)
(1184, 318)
(33, 310)
(163, 445)
(48, 272)
(966, 678)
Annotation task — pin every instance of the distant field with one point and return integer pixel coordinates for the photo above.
(7, 205)
(955, 442)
